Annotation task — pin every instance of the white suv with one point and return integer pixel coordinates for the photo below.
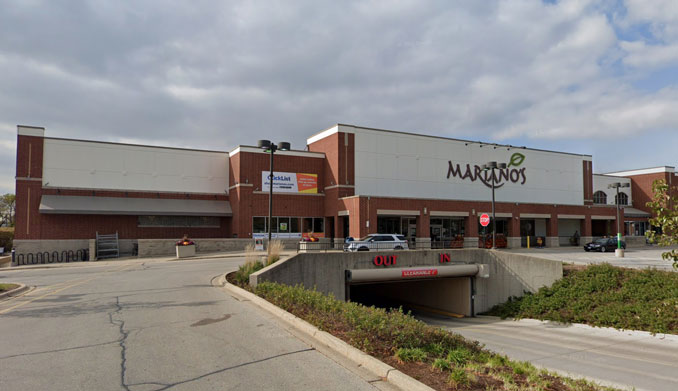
(377, 242)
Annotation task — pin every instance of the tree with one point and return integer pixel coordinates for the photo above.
(665, 210)
(7, 208)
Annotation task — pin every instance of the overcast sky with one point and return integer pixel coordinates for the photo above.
(593, 77)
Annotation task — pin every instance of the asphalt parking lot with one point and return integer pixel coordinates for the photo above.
(638, 257)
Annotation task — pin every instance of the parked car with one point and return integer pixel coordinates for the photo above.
(378, 242)
(603, 245)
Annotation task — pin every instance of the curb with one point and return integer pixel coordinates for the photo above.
(360, 358)
(20, 289)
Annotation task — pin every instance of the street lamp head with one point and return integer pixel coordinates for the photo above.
(284, 146)
(264, 144)
(614, 185)
(491, 165)
(625, 185)
(501, 166)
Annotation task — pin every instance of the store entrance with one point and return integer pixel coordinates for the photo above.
(527, 230)
(409, 229)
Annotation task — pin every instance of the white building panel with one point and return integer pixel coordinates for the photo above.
(107, 166)
(413, 166)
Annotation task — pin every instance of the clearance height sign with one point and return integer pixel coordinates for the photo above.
(290, 182)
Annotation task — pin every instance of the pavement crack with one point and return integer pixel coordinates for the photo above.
(234, 367)
(122, 341)
(58, 350)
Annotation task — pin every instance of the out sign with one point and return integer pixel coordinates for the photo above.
(484, 220)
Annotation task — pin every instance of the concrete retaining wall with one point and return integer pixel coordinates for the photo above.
(159, 247)
(635, 241)
(510, 274)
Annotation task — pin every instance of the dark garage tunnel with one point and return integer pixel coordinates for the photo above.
(444, 296)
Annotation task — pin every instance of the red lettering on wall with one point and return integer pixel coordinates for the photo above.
(383, 260)
(444, 258)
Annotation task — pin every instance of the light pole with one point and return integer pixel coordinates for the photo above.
(268, 146)
(492, 166)
(617, 185)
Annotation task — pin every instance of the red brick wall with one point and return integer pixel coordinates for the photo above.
(249, 201)
(339, 165)
(588, 182)
(28, 185)
(641, 187)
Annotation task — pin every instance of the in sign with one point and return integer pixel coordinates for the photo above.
(484, 219)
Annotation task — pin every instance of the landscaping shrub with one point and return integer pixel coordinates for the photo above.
(242, 276)
(276, 248)
(604, 296)
(410, 354)
(7, 238)
(448, 360)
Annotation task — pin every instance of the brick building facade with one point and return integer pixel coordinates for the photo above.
(430, 189)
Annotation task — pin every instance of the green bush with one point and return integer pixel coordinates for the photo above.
(410, 354)
(242, 276)
(458, 377)
(395, 335)
(605, 296)
(441, 364)
(7, 239)
(459, 356)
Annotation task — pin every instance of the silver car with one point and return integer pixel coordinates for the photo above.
(378, 242)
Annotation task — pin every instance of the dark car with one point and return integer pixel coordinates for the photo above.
(603, 245)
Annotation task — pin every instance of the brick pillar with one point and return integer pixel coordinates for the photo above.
(513, 238)
(28, 185)
(338, 231)
(471, 231)
(423, 239)
(552, 232)
(586, 230)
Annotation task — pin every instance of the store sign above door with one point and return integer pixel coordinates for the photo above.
(512, 173)
(290, 182)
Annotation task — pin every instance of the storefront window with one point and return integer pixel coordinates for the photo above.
(278, 224)
(179, 221)
(502, 227)
(313, 224)
(389, 225)
(446, 228)
(259, 224)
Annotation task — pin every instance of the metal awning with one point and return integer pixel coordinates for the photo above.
(90, 205)
(633, 212)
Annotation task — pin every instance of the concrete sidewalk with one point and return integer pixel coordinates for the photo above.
(636, 258)
(113, 261)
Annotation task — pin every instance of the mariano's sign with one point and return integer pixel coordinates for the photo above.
(513, 172)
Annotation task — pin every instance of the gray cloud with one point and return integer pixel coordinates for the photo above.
(211, 74)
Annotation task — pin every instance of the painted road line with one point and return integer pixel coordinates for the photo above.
(80, 282)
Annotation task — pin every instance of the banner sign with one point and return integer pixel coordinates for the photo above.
(290, 182)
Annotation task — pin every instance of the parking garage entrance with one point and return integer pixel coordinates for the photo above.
(444, 290)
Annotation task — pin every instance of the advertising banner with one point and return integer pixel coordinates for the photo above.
(290, 182)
